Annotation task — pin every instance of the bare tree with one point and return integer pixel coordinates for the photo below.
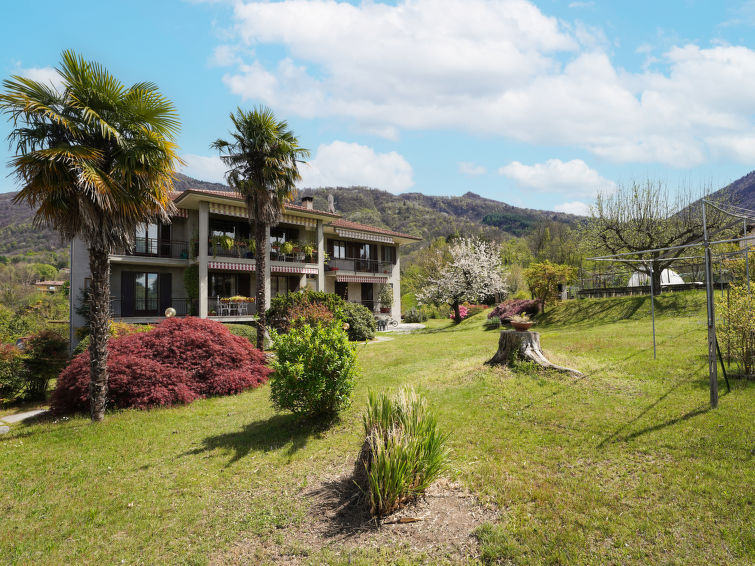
(648, 216)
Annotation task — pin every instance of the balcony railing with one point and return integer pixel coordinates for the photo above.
(184, 307)
(151, 247)
(359, 265)
(243, 251)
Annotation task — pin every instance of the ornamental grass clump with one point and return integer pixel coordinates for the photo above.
(314, 370)
(403, 452)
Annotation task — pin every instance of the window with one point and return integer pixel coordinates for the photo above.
(280, 285)
(146, 239)
(389, 254)
(234, 230)
(368, 296)
(146, 294)
(281, 235)
(337, 249)
(342, 290)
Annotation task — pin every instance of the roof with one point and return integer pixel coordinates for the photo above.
(51, 283)
(349, 225)
(339, 222)
(237, 196)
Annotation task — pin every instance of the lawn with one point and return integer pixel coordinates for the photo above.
(625, 465)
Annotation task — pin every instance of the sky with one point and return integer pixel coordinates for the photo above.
(540, 104)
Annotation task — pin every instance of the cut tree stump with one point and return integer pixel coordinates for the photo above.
(525, 346)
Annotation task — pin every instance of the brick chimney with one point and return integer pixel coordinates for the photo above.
(307, 202)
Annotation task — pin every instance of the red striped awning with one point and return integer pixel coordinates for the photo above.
(293, 269)
(238, 266)
(360, 279)
(229, 266)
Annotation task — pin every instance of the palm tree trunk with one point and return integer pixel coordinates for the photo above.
(261, 261)
(99, 320)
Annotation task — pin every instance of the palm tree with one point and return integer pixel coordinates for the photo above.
(262, 159)
(95, 159)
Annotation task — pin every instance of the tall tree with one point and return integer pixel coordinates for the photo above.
(262, 157)
(647, 216)
(95, 159)
(471, 271)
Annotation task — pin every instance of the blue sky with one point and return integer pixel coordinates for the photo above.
(539, 104)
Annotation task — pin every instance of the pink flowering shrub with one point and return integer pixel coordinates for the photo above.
(463, 313)
(512, 307)
(181, 360)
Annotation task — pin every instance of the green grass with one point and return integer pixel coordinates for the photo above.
(626, 465)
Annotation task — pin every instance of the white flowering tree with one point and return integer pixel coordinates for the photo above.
(472, 272)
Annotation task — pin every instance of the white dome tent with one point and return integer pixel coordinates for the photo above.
(668, 277)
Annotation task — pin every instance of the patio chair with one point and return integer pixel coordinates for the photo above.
(222, 308)
(241, 308)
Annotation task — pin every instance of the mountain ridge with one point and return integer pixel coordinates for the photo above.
(427, 216)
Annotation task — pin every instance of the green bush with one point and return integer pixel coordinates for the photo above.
(403, 452)
(415, 315)
(736, 325)
(243, 330)
(284, 307)
(361, 322)
(313, 371)
(46, 355)
(12, 371)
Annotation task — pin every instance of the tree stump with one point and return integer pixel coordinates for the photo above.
(525, 346)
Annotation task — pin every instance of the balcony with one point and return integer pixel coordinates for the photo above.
(241, 250)
(359, 265)
(152, 247)
(150, 309)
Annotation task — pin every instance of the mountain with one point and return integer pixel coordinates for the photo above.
(740, 193)
(17, 233)
(433, 216)
(415, 213)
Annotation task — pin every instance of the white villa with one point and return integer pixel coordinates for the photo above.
(309, 249)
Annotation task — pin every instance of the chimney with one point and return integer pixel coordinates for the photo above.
(307, 202)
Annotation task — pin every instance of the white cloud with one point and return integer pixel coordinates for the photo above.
(225, 56)
(581, 4)
(573, 178)
(574, 207)
(344, 164)
(47, 75)
(204, 168)
(471, 169)
(501, 68)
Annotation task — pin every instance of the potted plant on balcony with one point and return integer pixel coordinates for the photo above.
(252, 246)
(309, 250)
(385, 296)
(274, 250)
(287, 248)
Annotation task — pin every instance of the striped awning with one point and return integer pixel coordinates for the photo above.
(308, 223)
(293, 269)
(234, 266)
(240, 212)
(228, 266)
(364, 236)
(181, 213)
(360, 279)
(228, 209)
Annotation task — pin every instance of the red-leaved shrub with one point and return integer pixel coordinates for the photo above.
(512, 307)
(182, 359)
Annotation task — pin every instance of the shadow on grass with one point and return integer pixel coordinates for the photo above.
(265, 436)
(616, 436)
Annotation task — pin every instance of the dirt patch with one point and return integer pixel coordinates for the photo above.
(438, 526)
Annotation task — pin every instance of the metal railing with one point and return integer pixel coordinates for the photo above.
(359, 265)
(243, 251)
(183, 307)
(151, 247)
